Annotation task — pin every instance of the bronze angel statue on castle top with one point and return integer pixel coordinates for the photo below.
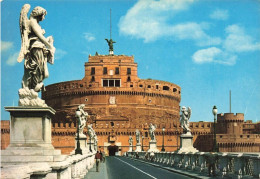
(36, 50)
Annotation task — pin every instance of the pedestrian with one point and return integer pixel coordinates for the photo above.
(97, 157)
(101, 156)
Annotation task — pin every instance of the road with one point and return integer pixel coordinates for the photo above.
(124, 168)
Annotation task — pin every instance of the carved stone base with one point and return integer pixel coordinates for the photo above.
(30, 136)
(153, 146)
(130, 149)
(83, 145)
(138, 148)
(187, 143)
(91, 147)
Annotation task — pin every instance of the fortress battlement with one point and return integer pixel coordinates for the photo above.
(230, 117)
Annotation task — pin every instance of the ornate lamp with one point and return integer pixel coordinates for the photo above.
(142, 143)
(215, 145)
(163, 149)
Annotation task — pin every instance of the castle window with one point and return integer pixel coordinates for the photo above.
(105, 71)
(128, 78)
(112, 124)
(149, 86)
(157, 86)
(81, 85)
(140, 86)
(92, 78)
(131, 86)
(111, 83)
(146, 134)
(174, 89)
(117, 83)
(129, 71)
(166, 88)
(105, 83)
(92, 70)
(117, 70)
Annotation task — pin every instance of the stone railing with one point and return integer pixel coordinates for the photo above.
(234, 165)
(74, 166)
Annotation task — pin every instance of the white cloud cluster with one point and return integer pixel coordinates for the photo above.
(59, 53)
(89, 36)
(12, 59)
(149, 20)
(219, 14)
(236, 41)
(5, 46)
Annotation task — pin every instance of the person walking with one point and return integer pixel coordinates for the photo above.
(98, 158)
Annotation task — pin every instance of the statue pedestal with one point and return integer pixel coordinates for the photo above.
(83, 145)
(130, 148)
(138, 147)
(187, 143)
(30, 136)
(153, 147)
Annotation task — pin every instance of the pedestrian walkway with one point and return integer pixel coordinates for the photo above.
(102, 174)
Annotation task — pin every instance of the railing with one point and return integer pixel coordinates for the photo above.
(234, 165)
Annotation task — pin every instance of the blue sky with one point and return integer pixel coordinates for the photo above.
(206, 47)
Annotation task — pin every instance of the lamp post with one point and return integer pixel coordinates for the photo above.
(215, 145)
(163, 149)
(142, 143)
(90, 144)
(78, 149)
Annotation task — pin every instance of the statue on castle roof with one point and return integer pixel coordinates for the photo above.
(152, 131)
(185, 117)
(110, 44)
(81, 115)
(137, 133)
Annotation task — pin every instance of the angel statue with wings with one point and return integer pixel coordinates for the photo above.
(185, 117)
(152, 131)
(81, 116)
(36, 50)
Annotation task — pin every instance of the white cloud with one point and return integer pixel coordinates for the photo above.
(219, 14)
(150, 20)
(59, 53)
(238, 41)
(89, 36)
(214, 55)
(6, 45)
(12, 60)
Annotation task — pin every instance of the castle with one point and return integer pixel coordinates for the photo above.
(119, 102)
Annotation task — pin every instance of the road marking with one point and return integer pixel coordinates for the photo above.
(137, 168)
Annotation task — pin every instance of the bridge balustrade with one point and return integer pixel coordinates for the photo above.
(227, 164)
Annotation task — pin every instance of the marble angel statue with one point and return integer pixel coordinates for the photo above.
(152, 131)
(130, 141)
(82, 116)
(185, 117)
(36, 50)
(137, 136)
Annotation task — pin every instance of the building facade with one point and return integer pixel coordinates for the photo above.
(119, 102)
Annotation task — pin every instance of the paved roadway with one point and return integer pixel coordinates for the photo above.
(124, 168)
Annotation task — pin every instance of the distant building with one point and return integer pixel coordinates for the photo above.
(119, 102)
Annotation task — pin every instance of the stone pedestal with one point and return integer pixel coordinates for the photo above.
(130, 148)
(30, 136)
(187, 143)
(153, 146)
(138, 147)
(83, 145)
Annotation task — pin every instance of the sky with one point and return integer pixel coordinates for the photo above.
(207, 47)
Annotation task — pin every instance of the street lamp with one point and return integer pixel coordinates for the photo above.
(78, 149)
(215, 145)
(142, 143)
(163, 149)
(90, 144)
